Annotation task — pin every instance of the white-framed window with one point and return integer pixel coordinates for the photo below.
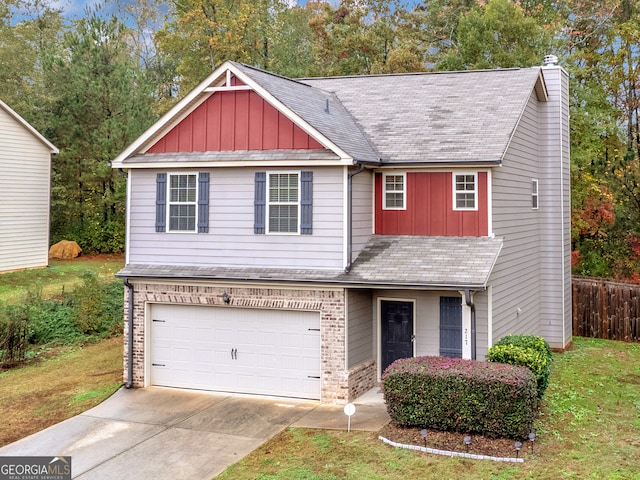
(465, 191)
(283, 202)
(534, 194)
(183, 201)
(394, 191)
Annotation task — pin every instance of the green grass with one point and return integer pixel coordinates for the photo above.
(59, 277)
(588, 428)
(65, 383)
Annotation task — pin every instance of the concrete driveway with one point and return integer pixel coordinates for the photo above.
(172, 434)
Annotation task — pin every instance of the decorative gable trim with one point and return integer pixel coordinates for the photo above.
(200, 94)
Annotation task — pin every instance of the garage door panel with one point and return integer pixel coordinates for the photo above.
(275, 351)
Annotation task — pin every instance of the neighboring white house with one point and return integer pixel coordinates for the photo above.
(25, 179)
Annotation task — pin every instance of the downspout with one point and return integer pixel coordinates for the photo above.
(129, 383)
(350, 176)
(467, 299)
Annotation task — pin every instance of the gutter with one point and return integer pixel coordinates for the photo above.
(350, 176)
(129, 382)
(467, 299)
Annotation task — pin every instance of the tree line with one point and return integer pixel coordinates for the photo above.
(92, 83)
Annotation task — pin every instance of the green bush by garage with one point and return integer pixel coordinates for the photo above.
(451, 394)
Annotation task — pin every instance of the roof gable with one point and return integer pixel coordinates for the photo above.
(52, 148)
(230, 120)
(289, 128)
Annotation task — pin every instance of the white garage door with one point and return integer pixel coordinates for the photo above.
(267, 352)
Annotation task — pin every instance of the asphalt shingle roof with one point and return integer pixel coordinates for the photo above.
(427, 261)
(321, 109)
(437, 117)
(410, 261)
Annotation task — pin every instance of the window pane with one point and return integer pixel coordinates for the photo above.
(182, 217)
(283, 187)
(394, 200)
(182, 188)
(465, 200)
(283, 218)
(394, 182)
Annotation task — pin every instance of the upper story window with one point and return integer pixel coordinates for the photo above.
(534, 194)
(395, 192)
(284, 202)
(465, 191)
(182, 202)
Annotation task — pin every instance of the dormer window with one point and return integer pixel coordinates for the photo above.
(395, 191)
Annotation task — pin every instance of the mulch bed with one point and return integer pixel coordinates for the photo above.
(494, 447)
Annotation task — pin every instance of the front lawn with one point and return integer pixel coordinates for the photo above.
(61, 276)
(69, 381)
(588, 427)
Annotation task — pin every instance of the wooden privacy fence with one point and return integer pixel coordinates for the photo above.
(606, 309)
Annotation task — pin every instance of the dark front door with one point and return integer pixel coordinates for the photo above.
(396, 331)
(451, 327)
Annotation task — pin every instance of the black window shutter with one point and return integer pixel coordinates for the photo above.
(203, 202)
(260, 202)
(306, 203)
(161, 202)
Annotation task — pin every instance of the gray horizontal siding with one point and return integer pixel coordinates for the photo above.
(556, 241)
(231, 240)
(360, 327)
(25, 165)
(482, 324)
(362, 210)
(516, 275)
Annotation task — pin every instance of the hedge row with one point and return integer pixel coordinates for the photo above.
(528, 351)
(451, 394)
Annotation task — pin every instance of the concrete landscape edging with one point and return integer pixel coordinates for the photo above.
(449, 453)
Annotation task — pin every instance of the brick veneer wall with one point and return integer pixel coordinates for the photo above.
(338, 384)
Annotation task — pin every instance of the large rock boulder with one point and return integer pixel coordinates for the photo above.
(65, 249)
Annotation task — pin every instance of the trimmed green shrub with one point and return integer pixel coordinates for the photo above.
(458, 395)
(529, 351)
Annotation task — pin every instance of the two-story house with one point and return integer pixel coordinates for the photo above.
(294, 237)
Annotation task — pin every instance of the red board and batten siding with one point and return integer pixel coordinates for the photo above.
(430, 208)
(234, 120)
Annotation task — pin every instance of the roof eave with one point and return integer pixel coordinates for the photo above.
(344, 282)
(439, 163)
